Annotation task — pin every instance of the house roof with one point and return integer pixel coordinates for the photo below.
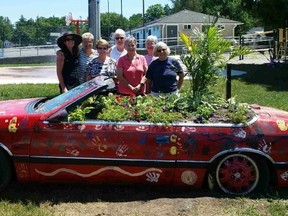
(187, 16)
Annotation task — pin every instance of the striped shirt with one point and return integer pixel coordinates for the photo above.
(83, 62)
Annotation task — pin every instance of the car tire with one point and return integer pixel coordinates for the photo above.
(241, 174)
(5, 170)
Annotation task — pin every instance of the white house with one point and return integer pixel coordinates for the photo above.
(167, 28)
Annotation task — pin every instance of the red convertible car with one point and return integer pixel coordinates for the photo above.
(39, 144)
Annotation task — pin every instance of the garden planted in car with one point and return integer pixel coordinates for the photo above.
(204, 60)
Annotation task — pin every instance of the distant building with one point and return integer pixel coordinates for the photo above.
(167, 28)
(7, 44)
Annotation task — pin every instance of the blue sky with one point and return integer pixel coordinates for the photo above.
(13, 9)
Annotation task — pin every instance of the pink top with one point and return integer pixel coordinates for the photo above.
(133, 72)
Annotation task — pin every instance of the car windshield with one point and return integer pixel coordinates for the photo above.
(54, 103)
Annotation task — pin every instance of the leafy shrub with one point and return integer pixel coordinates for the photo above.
(163, 110)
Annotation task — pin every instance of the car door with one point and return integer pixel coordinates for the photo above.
(97, 151)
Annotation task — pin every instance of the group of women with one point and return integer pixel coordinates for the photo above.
(156, 73)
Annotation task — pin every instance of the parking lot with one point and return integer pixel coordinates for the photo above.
(31, 74)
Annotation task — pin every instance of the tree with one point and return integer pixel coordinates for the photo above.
(6, 30)
(167, 9)
(110, 22)
(154, 12)
(273, 14)
(135, 20)
(230, 9)
(193, 5)
(44, 28)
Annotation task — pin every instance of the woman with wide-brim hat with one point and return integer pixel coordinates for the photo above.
(67, 60)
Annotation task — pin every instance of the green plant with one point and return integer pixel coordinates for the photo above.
(140, 108)
(163, 110)
(205, 60)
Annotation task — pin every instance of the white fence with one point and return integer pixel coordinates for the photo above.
(177, 47)
(28, 51)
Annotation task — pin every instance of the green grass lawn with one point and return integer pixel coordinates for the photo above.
(261, 85)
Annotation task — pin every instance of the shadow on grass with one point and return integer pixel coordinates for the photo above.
(274, 78)
(85, 193)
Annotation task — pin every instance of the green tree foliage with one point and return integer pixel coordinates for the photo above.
(24, 34)
(154, 12)
(37, 32)
(6, 30)
(168, 10)
(45, 26)
(271, 14)
(194, 5)
(230, 9)
(110, 22)
(135, 20)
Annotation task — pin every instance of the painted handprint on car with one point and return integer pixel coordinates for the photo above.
(152, 177)
(281, 125)
(97, 142)
(265, 147)
(22, 170)
(121, 150)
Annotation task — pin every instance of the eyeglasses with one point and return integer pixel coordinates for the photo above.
(161, 50)
(69, 39)
(102, 48)
(119, 38)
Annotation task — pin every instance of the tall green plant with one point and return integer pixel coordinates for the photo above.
(205, 60)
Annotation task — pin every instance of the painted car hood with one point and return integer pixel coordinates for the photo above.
(14, 107)
(269, 112)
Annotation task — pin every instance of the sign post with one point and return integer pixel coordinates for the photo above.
(69, 19)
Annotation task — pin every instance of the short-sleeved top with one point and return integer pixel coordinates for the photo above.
(133, 72)
(83, 61)
(115, 53)
(163, 75)
(149, 59)
(107, 68)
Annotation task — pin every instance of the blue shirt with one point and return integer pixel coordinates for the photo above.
(163, 75)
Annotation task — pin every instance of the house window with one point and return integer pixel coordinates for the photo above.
(187, 26)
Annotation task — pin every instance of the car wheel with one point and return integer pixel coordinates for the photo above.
(240, 174)
(5, 171)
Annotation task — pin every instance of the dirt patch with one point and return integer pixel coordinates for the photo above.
(135, 200)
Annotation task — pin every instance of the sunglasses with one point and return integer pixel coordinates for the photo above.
(69, 39)
(119, 38)
(102, 48)
(161, 50)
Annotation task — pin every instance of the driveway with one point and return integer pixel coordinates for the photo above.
(33, 74)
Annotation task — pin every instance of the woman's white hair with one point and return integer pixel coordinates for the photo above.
(119, 32)
(88, 36)
(161, 45)
(151, 38)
